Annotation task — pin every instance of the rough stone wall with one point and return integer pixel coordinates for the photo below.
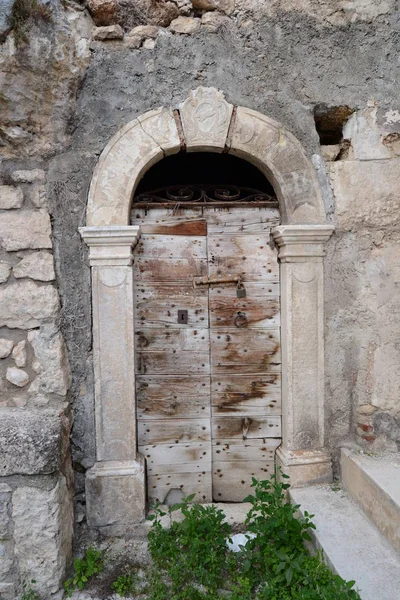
(96, 66)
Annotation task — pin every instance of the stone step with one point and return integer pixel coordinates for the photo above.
(353, 547)
(374, 483)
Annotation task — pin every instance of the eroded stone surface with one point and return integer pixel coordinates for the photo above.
(26, 304)
(10, 197)
(25, 229)
(28, 176)
(51, 356)
(43, 519)
(37, 266)
(212, 21)
(29, 441)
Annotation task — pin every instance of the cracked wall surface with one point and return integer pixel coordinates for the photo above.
(99, 65)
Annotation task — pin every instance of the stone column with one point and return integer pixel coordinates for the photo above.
(115, 485)
(302, 455)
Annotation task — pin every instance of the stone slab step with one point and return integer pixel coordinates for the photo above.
(374, 483)
(353, 547)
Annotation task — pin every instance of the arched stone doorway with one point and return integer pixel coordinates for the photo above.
(204, 122)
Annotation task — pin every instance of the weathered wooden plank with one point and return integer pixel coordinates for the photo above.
(160, 216)
(194, 227)
(232, 480)
(199, 484)
(161, 311)
(171, 246)
(167, 387)
(168, 431)
(248, 394)
(247, 450)
(176, 454)
(226, 310)
(241, 220)
(245, 351)
(247, 255)
(173, 269)
(186, 407)
(185, 467)
(245, 427)
(178, 340)
(257, 289)
(171, 363)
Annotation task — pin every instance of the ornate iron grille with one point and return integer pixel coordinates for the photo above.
(201, 195)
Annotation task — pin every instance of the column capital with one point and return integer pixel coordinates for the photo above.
(111, 245)
(299, 242)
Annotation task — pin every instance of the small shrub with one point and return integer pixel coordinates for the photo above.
(84, 568)
(24, 13)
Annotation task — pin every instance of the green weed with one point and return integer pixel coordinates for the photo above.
(84, 568)
(29, 593)
(125, 585)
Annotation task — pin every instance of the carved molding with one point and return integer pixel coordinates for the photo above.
(300, 242)
(206, 117)
(112, 245)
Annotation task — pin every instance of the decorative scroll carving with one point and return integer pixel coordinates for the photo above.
(206, 116)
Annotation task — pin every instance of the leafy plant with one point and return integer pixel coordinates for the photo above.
(29, 593)
(124, 586)
(193, 562)
(24, 13)
(84, 568)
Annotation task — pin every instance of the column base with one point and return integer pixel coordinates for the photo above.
(116, 496)
(305, 467)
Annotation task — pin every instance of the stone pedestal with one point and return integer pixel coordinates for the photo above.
(302, 455)
(115, 486)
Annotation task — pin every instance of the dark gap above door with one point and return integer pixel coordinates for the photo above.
(205, 170)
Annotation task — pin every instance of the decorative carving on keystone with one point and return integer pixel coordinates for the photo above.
(206, 117)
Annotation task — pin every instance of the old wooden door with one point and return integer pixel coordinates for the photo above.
(207, 361)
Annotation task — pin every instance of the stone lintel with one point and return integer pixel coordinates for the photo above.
(111, 245)
(299, 242)
(305, 467)
(116, 496)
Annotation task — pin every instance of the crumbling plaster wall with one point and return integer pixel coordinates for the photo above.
(64, 95)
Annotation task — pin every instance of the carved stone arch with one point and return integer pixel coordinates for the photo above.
(210, 124)
(205, 121)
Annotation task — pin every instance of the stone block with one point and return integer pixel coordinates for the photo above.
(17, 377)
(30, 441)
(116, 496)
(5, 511)
(24, 229)
(6, 347)
(186, 25)
(5, 269)
(25, 304)
(109, 32)
(51, 356)
(28, 176)
(43, 528)
(19, 354)
(37, 266)
(104, 12)
(225, 6)
(10, 197)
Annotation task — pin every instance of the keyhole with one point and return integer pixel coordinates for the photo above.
(182, 316)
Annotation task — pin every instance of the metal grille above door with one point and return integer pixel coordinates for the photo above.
(207, 344)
